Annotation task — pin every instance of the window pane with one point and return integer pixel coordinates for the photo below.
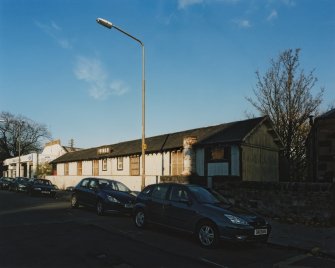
(160, 192)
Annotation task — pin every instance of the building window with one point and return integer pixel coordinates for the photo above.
(79, 168)
(66, 169)
(120, 163)
(176, 163)
(218, 154)
(134, 165)
(95, 167)
(104, 164)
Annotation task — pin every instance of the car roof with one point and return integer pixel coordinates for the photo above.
(177, 184)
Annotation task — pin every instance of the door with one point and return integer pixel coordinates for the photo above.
(180, 211)
(91, 193)
(81, 191)
(156, 204)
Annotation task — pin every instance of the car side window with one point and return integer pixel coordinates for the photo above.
(160, 191)
(84, 183)
(93, 184)
(178, 194)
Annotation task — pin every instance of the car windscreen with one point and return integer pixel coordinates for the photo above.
(204, 195)
(114, 185)
(42, 182)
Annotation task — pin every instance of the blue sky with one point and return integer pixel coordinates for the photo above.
(60, 68)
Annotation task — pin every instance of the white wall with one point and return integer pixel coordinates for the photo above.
(133, 182)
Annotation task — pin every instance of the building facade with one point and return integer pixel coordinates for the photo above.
(26, 165)
(321, 148)
(242, 150)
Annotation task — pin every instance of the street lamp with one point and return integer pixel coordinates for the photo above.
(110, 25)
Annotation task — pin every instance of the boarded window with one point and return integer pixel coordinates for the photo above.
(66, 169)
(104, 164)
(134, 165)
(95, 167)
(120, 163)
(218, 154)
(79, 168)
(176, 163)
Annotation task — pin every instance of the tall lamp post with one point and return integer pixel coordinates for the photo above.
(110, 25)
(20, 126)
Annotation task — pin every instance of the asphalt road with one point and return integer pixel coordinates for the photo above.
(46, 232)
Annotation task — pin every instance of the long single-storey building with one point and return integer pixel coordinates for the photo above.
(244, 150)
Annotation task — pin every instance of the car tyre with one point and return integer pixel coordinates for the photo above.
(100, 208)
(207, 234)
(74, 201)
(139, 218)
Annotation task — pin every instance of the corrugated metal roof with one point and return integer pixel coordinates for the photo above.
(224, 133)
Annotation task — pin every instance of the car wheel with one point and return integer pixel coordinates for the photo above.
(74, 201)
(100, 208)
(139, 218)
(207, 234)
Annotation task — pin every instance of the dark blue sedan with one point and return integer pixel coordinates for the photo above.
(41, 187)
(199, 211)
(104, 195)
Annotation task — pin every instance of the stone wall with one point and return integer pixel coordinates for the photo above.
(307, 203)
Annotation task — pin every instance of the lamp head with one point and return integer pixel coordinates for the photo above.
(105, 23)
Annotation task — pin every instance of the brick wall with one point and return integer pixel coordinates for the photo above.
(307, 203)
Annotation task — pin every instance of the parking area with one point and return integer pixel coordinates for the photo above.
(43, 231)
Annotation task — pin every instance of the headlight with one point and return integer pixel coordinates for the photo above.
(236, 220)
(37, 189)
(112, 199)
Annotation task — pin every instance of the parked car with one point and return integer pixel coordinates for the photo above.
(41, 187)
(4, 183)
(200, 211)
(19, 184)
(104, 195)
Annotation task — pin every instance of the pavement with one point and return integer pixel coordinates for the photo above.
(316, 240)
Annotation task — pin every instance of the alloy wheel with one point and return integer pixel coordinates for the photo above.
(207, 235)
(140, 219)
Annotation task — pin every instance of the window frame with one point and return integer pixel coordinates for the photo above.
(79, 168)
(120, 163)
(104, 164)
(66, 169)
(134, 171)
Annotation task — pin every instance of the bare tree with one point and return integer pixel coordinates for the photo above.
(19, 134)
(284, 94)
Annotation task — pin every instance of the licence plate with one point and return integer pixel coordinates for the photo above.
(261, 231)
(45, 192)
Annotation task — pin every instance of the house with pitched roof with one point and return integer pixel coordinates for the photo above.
(26, 165)
(244, 150)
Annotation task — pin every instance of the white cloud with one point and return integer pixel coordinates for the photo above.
(55, 32)
(92, 71)
(183, 4)
(290, 3)
(273, 15)
(242, 23)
